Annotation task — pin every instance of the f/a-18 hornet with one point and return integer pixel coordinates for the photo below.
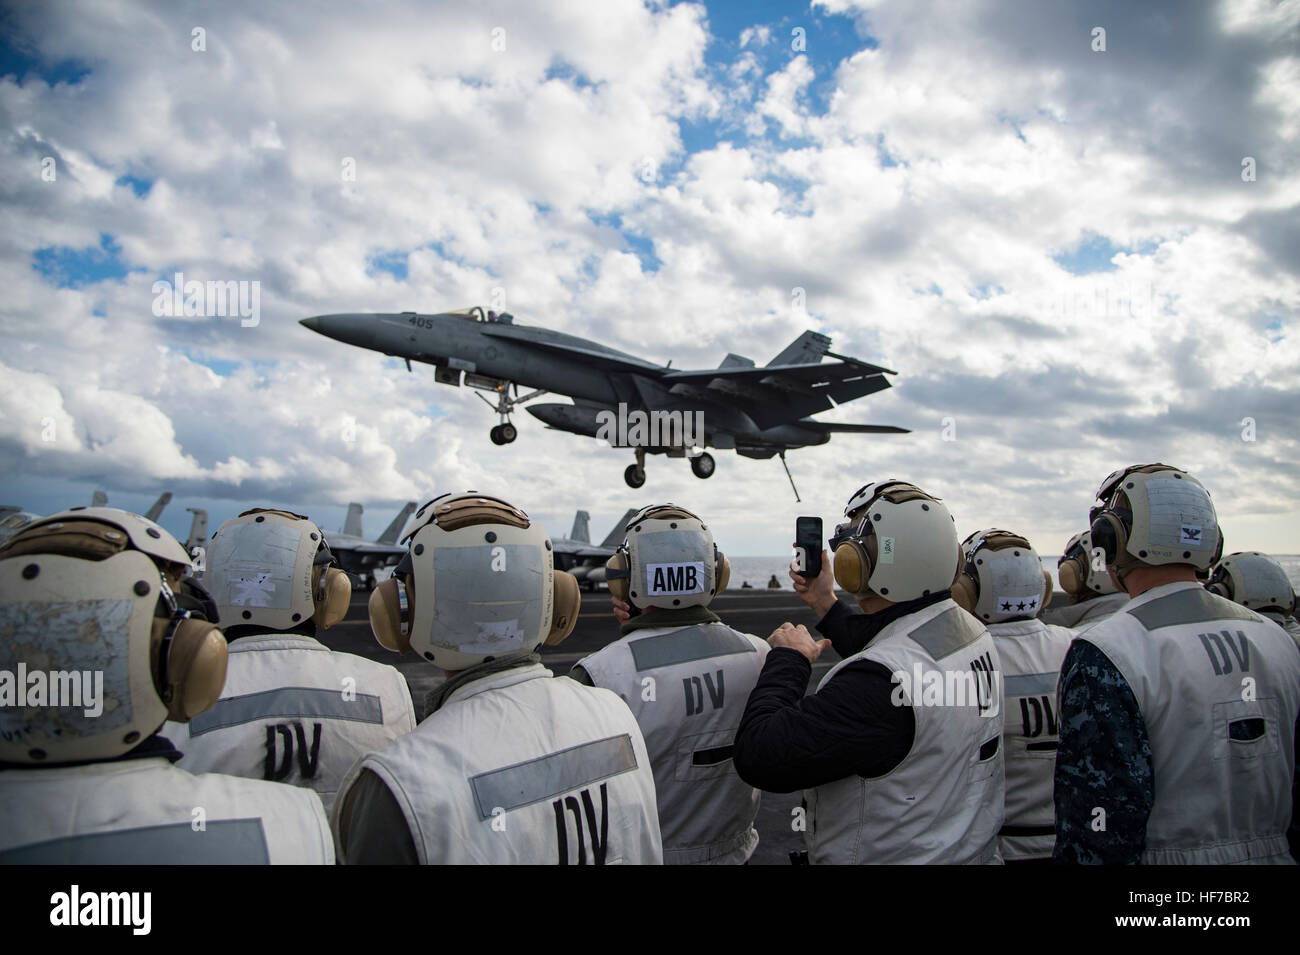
(759, 412)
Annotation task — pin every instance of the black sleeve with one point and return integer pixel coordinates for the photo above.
(845, 628)
(580, 675)
(788, 741)
(372, 828)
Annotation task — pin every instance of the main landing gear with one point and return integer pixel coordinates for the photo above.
(702, 466)
(505, 432)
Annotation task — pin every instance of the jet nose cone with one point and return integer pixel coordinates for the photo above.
(314, 323)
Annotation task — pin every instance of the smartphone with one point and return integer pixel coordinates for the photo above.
(808, 546)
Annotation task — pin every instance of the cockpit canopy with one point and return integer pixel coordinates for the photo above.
(476, 314)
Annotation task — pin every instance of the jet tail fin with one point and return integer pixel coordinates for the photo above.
(352, 524)
(389, 536)
(99, 499)
(615, 536)
(155, 512)
(198, 529)
(581, 532)
(807, 349)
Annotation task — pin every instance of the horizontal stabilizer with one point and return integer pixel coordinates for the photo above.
(736, 361)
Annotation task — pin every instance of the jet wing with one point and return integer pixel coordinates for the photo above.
(544, 340)
(777, 394)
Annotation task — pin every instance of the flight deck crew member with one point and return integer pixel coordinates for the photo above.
(1005, 587)
(510, 765)
(892, 771)
(1258, 583)
(85, 778)
(685, 675)
(292, 710)
(1179, 713)
(1083, 575)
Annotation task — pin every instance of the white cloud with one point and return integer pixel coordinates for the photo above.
(920, 211)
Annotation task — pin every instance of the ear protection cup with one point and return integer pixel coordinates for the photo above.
(191, 665)
(721, 573)
(617, 575)
(389, 617)
(1074, 576)
(1109, 533)
(852, 567)
(966, 592)
(564, 612)
(1047, 590)
(333, 595)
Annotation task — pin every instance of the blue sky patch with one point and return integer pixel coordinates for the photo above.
(1094, 253)
(66, 267)
(394, 263)
(139, 186)
(26, 64)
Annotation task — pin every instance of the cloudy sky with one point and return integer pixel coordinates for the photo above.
(1076, 258)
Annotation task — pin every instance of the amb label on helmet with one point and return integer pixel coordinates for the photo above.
(674, 579)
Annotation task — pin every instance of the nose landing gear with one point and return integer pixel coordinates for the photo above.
(505, 432)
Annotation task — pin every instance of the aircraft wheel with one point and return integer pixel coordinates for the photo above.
(508, 432)
(703, 465)
(495, 435)
(634, 475)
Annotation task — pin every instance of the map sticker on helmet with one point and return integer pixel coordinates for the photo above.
(52, 645)
(674, 580)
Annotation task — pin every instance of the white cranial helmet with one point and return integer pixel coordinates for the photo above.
(478, 583)
(1254, 580)
(92, 630)
(273, 569)
(1002, 578)
(1082, 569)
(898, 542)
(668, 559)
(1152, 515)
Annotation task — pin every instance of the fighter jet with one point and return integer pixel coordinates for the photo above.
(361, 557)
(759, 412)
(580, 557)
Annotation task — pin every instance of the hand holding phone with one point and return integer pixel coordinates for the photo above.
(808, 546)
